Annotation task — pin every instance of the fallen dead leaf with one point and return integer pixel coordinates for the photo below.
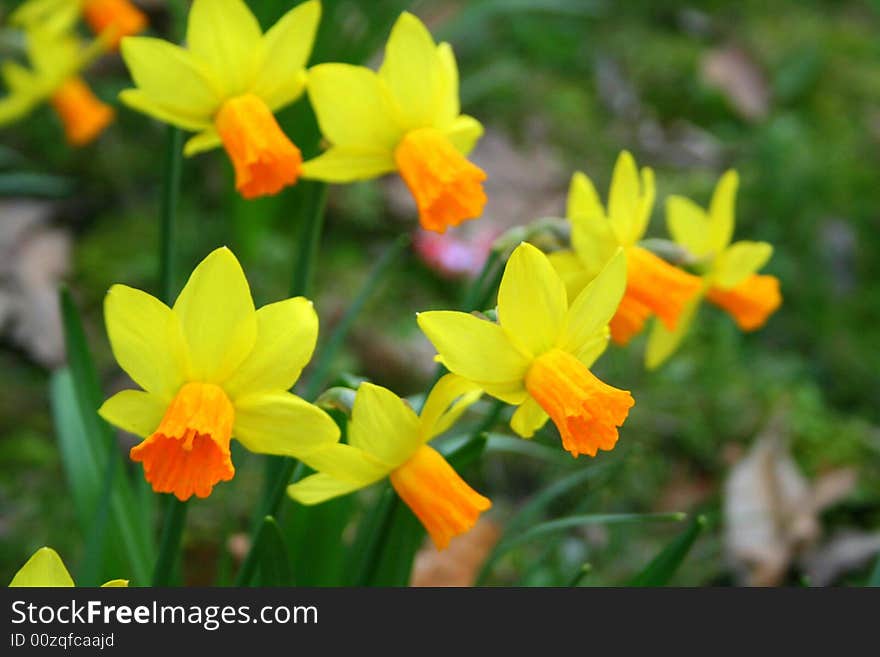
(735, 73)
(34, 257)
(459, 563)
(772, 511)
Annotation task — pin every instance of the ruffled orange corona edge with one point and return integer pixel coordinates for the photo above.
(447, 187)
(586, 411)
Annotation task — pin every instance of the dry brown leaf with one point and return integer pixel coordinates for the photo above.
(459, 563)
(34, 257)
(772, 511)
(733, 71)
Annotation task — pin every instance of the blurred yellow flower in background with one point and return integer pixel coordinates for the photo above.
(56, 61)
(405, 118)
(226, 85)
(211, 368)
(538, 355)
(45, 568)
(730, 279)
(110, 19)
(653, 286)
(387, 439)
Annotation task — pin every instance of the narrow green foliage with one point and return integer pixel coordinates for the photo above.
(662, 567)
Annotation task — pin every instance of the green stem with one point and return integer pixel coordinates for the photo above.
(168, 213)
(377, 537)
(175, 510)
(249, 566)
(172, 529)
(481, 287)
(334, 343)
(309, 239)
(279, 469)
(579, 576)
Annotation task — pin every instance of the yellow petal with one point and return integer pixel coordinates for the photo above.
(44, 568)
(353, 107)
(56, 16)
(169, 78)
(134, 411)
(287, 332)
(474, 348)
(282, 423)
(722, 211)
(449, 398)
(662, 342)
(414, 72)
(571, 270)
(139, 101)
(218, 318)
(646, 202)
(147, 340)
(464, 132)
(319, 488)
(630, 200)
(510, 392)
(115, 583)
(16, 106)
(594, 347)
(286, 49)
(449, 105)
(739, 262)
(528, 418)
(532, 301)
(16, 77)
(347, 463)
(592, 236)
(206, 140)
(688, 224)
(225, 36)
(583, 201)
(344, 164)
(594, 307)
(383, 425)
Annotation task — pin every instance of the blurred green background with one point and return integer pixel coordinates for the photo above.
(788, 93)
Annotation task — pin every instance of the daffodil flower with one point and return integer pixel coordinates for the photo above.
(653, 286)
(403, 118)
(730, 279)
(110, 19)
(56, 61)
(226, 85)
(539, 353)
(211, 368)
(387, 439)
(45, 568)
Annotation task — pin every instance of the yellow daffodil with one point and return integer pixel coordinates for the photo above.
(387, 439)
(538, 354)
(45, 568)
(653, 286)
(111, 19)
(56, 61)
(226, 85)
(211, 368)
(730, 279)
(403, 118)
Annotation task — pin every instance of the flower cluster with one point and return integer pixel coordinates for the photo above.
(212, 367)
(56, 58)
